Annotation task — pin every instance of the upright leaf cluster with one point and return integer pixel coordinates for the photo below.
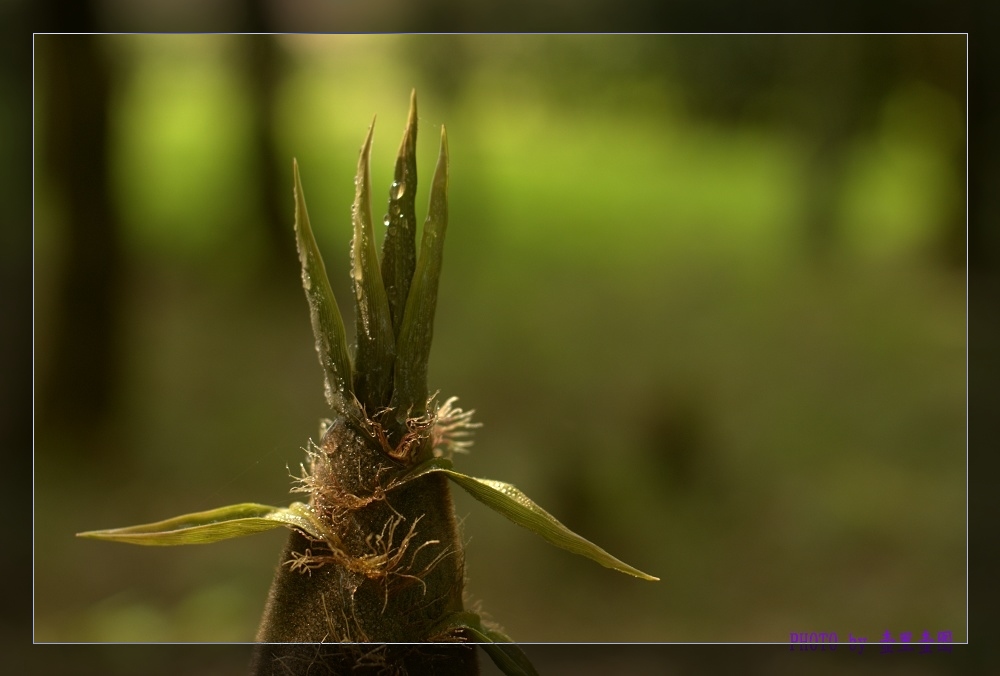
(375, 555)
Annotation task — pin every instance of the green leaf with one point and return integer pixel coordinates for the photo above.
(327, 325)
(375, 338)
(519, 508)
(506, 654)
(414, 344)
(399, 252)
(214, 525)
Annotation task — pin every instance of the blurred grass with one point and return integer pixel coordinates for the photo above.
(624, 303)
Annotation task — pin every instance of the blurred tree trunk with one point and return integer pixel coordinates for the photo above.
(844, 80)
(263, 71)
(830, 92)
(79, 388)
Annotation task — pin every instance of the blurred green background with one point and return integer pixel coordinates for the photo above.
(705, 293)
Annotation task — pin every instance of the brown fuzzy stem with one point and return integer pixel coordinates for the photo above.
(390, 571)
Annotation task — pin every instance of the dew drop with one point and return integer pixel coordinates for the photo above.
(386, 221)
(397, 190)
(365, 323)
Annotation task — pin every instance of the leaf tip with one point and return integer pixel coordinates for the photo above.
(411, 117)
(362, 179)
(371, 132)
(297, 189)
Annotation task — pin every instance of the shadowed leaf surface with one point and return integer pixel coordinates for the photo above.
(399, 252)
(328, 326)
(376, 349)
(506, 654)
(414, 345)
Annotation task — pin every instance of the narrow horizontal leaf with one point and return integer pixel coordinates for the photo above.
(506, 654)
(519, 508)
(214, 525)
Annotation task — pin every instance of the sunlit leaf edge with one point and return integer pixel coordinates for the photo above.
(509, 501)
(214, 525)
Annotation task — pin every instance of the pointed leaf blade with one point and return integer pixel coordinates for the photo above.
(509, 501)
(214, 525)
(399, 252)
(376, 342)
(416, 332)
(327, 324)
(506, 654)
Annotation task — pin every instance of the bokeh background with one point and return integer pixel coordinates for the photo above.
(706, 294)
